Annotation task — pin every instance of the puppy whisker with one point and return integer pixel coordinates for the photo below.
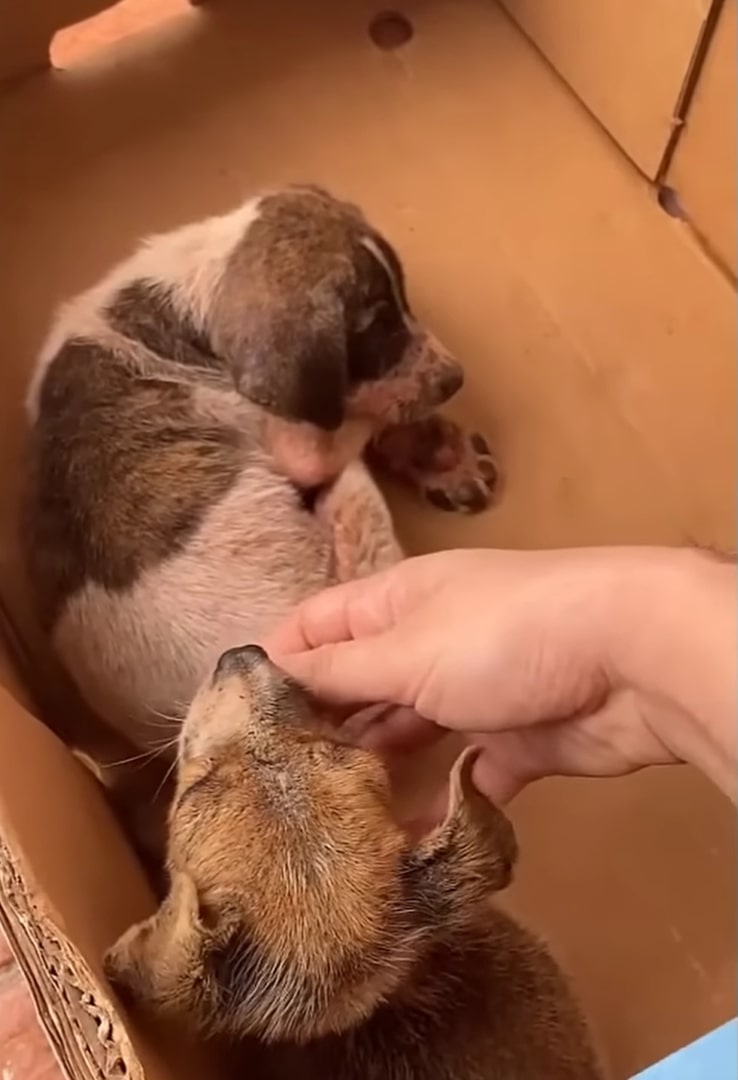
(145, 755)
(166, 777)
(169, 717)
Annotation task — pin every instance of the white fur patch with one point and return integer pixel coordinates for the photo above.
(189, 260)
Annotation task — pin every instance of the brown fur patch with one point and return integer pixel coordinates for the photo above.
(301, 914)
(145, 312)
(122, 470)
(308, 313)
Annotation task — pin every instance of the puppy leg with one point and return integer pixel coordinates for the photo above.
(452, 470)
(354, 510)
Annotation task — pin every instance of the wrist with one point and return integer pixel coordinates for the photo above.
(672, 642)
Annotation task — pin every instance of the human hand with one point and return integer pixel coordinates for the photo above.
(542, 658)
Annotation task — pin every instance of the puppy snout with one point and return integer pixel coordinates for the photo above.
(440, 373)
(240, 661)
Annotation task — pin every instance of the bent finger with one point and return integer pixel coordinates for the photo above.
(352, 610)
(352, 672)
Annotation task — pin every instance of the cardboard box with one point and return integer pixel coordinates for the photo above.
(600, 343)
(630, 61)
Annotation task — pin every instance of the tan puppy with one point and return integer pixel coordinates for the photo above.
(300, 914)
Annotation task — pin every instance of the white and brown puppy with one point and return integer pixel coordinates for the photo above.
(301, 915)
(193, 416)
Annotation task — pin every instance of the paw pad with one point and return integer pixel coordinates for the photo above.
(467, 486)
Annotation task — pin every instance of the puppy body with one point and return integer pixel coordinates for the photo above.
(486, 1004)
(191, 417)
(152, 643)
(299, 914)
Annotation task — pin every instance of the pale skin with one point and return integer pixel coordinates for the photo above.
(592, 662)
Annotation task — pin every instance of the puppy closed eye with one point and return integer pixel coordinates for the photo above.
(207, 784)
(378, 343)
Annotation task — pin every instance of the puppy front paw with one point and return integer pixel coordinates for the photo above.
(451, 469)
(467, 485)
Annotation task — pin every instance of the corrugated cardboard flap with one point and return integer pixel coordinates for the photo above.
(68, 887)
(77, 1013)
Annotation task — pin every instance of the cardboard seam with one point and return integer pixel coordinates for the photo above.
(681, 105)
(706, 250)
(32, 933)
(689, 85)
(580, 357)
(570, 89)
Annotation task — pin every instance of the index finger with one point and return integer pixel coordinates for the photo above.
(343, 613)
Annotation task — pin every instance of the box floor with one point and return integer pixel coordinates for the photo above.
(599, 344)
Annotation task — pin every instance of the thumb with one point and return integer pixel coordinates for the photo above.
(353, 672)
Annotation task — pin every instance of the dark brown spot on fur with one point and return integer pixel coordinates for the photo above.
(378, 335)
(122, 470)
(145, 312)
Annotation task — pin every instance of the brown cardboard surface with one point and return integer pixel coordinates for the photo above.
(626, 59)
(599, 343)
(641, 875)
(703, 170)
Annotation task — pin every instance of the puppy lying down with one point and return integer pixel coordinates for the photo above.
(198, 423)
(300, 913)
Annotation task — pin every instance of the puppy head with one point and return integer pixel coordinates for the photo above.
(297, 905)
(312, 314)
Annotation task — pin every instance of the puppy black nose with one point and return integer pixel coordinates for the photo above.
(450, 383)
(241, 660)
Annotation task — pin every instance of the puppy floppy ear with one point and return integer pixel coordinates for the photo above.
(289, 357)
(470, 855)
(156, 961)
(446, 879)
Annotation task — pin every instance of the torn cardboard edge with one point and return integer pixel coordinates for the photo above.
(88, 1037)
